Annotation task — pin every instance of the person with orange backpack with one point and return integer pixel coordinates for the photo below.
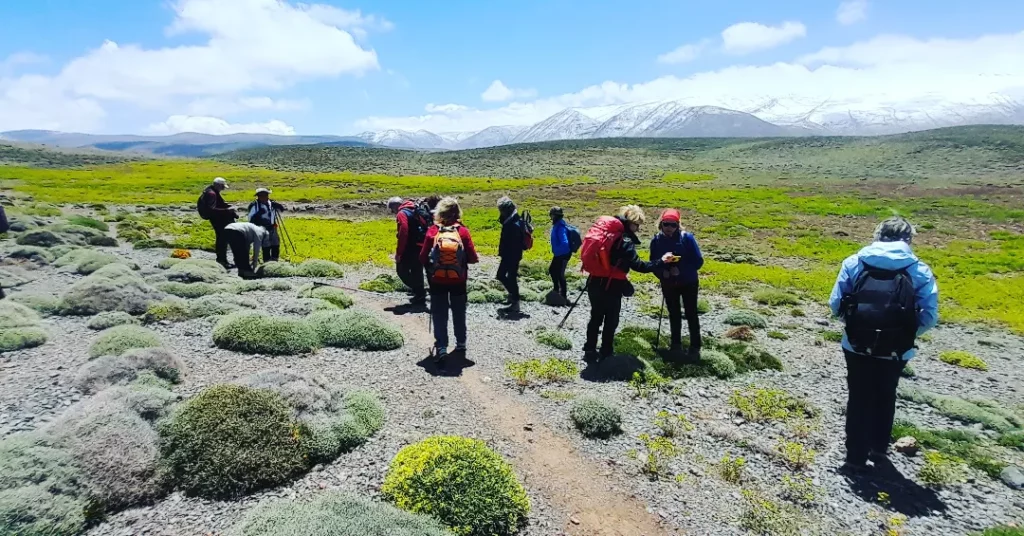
(447, 252)
(608, 254)
(516, 237)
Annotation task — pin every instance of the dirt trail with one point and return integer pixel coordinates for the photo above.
(550, 463)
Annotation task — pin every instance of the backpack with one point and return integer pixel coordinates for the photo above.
(575, 240)
(201, 207)
(419, 221)
(881, 312)
(596, 250)
(527, 225)
(448, 257)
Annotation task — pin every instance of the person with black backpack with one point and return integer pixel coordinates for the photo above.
(565, 240)
(413, 221)
(516, 238)
(887, 297)
(211, 206)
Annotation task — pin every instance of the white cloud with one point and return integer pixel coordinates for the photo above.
(746, 37)
(852, 12)
(445, 108)
(221, 106)
(31, 102)
(20, 59)
(684, 53)
(217, 126)
(353, 21)
(499, 92)
(878, 74)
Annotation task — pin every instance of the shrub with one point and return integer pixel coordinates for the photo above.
(1012, 440)
(962, 359)
(152, 243)
(75, 234)
(189, 290)
(720, 364)
(258, 333)
(307, 395)
(383, 283)
(331, 294)
(319, 268)
(552, 370)
(85, 261)
(179, 310)
(796, 454)
(42, 303)
(197, 270)
(41, 238)
(740, 333)
(85, 221)
(672, 425)
(640, 342)
(37, 511)
(110, 370)
(459, 482)
(984, 412)
(832, 336)
(102, 241)
(354, 329)
(147, 396)
(731, 469)
(365, 409)
(762, 405)
(595, 417)
(277, 269)
(778, 335)
(763, 515)
(115, 287)
(21, 338)
(745, 318)
(775, 297)
(181, 254)
(231, 440)
(660, 453)
(335, 514)
(554, 339)
(32, 253)
(108, 320)
(1005, 530)
(801, 490)
(119, 339)
(941, 469)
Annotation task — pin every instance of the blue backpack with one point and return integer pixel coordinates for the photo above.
(575, 240)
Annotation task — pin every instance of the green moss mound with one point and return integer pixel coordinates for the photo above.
(745, 358)
(85, 221)
(197, 271)
(355, 329)
(277, 269)
(115, 287)
(319, 268)
(152, 243)
(258, 333)
(554, 339)
(108, 320)
(335, 514)
(461, 483)
(231, 440)
(32, 253)
(745, 318)
(179, 310)
(775, 297)
(41, 238)
(189, 290)
(45, 304)
(21, 338)
(85, 261)
(334, 295)
(596, 418)
(119, 339)
(383, 283)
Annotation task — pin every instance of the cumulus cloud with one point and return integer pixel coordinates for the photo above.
(32, 102)
(746, 37)
(217, 126)
(852, 11)
(224, 106)
(499, 92)
(878, 74)
(685, 53)
(445, 108)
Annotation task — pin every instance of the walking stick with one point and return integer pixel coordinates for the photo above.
(661, 314)
(567, 313)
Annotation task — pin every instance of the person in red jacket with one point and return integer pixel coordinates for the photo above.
(447, 252)
(413, 221)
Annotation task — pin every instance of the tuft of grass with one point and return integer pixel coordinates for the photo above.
(778, 335)
(832, 336)
(334, 295)
(595, 417)
(961, 444)
(775, 297)
(119, 339)
(554, 339)
(551, 370)
(719, 358)
(335, 514)
(796, 455)
(731, 469)
(941, 470)
(86, 221)
(660, 453)
(745, 318)
(557, 395)
(985, 412)
(672, 424)
(383, 283)
(757, 404)
(763, 515)
(800, 490)
(963, 359)
(797, 312)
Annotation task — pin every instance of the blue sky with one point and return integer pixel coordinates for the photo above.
(341, 67)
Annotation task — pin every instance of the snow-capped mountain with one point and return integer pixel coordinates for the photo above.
(569, 124)
(673, 120)
(405, 139)
(490, 137)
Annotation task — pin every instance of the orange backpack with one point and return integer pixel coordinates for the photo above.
(448, 256)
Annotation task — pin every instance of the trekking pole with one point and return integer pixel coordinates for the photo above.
(661, 314)
(284, 231)
(567, 313)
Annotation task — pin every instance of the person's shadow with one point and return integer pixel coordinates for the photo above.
(618, 367)
(507, 315)
(905, 496)
(407, 308)
(450, 367)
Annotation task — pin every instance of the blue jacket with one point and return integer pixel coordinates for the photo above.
(685, 246)
(510, 246)
(560, 238)
(891, 256)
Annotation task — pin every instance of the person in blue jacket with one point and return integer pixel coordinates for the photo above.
(561, 253)
(872, 380)
(679, 280)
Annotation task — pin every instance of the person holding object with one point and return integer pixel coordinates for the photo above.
(211, 206)
(266, 214)
(679, 280)
(241, 236)
(887, 297)
(608, 254)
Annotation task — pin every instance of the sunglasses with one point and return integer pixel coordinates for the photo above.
(669, 224)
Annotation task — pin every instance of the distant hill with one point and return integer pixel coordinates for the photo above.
(36, 156)
(973, 152)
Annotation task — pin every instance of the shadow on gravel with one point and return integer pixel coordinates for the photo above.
(451, 367)
(407, 308)
(505, 315)
(617, 368)
(905, 496)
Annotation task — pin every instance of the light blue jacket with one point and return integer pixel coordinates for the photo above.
(891, 256)
(560, 238)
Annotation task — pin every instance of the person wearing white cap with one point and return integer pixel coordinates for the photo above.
(212, 207)
(266, 214)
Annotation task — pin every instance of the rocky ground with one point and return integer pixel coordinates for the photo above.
(576, 485)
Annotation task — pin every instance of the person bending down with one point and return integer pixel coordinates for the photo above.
(241, 237)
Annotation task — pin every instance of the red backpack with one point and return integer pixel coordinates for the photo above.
(596, 252)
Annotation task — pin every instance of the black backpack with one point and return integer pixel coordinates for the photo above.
(881, 312)
(201, 207)
(419, 221)
(575, 240)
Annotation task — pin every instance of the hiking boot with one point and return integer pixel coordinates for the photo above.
(440, 354)
(590, 356)
(418, 300)
(854, 468)
(693, 354)
(513, 307)
(878, 457)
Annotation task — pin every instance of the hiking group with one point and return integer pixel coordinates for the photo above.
(260, 233)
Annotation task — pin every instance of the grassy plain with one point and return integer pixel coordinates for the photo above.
(768, 213)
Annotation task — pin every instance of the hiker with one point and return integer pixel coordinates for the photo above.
(241, 236)
(565, 240)
(4, 227)
(212, 207)
(266, 214)
(447, 252)
(516, 237)
(887, 297)
(608, 254)
(413, 221)
(679, 281)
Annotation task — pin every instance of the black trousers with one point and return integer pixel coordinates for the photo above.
(685, 295)
(508, 274)
(411, 272)
(557, 272)
(871, 406)
(271, 253)
(605, 307)
(221, 241)
(239, 249)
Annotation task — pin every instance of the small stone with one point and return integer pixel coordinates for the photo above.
(906, 445)
(486, 379)
(821, 322)
(528, 427)
(574, 520)
(1013, 476)
(738, 422)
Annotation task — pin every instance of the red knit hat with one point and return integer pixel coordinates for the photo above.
(670, 215)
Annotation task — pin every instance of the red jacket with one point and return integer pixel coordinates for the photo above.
(467, 243)
(403, 229)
